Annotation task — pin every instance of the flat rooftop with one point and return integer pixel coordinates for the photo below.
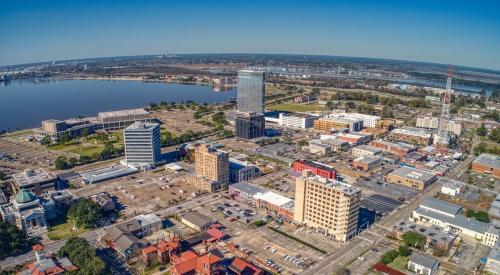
(33, 176)
(341, 186)
(414, 174)
(247, 188)
(488, 160)
(142, 126)
(107, 173)
(399, 145)
(119, 113)
(315, 164)
(275, 199)
(441, 206)
(367, 159)
(412, 131)
(368, 148)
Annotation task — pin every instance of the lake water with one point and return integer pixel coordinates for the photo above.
(24, 104)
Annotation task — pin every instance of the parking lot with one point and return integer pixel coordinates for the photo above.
(145, 192)
(468, 254)
(20, 154)
(276, 250)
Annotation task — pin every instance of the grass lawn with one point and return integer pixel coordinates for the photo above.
(152, 269)
(86, 150)
(62, 228)
(64, 146)
(400, 263)
(294, 107)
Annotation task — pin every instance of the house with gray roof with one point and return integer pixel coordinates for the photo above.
(422, 264)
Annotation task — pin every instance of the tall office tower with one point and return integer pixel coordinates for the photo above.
(251, 89)
(211, 168)
(142, 144)
(328, 205)
(250, 125)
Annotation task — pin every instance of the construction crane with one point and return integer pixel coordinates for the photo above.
(443, 138)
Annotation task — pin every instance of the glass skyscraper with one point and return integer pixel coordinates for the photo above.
(250, 91)
(250, 125)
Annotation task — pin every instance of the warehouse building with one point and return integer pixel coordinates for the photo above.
(411, 177)
(316, 168)
(366, 151)
(366, 163)
(398, 149)
(449, 216)
(488, 164)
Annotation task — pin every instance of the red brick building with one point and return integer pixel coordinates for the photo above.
(242, 267)
(161, 252)
(316, 168)
(191, 263)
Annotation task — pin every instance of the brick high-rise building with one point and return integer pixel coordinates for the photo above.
(329, 205)
(211, 168)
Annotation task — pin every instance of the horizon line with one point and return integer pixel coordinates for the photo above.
(248, 53)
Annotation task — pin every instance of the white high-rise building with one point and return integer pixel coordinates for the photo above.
(431, 122)
(142, 144)
(302, 121)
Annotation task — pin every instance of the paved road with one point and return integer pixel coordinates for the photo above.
(92, 236)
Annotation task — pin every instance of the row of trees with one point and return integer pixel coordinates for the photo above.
(483, 148)
(83, 255)
(108, 152)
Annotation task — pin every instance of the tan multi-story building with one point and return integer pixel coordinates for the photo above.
(412, 135)
(432, 122)
(328, 205)
(327, 124)
(211, 168)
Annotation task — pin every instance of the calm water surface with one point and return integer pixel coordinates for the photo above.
(24, 104)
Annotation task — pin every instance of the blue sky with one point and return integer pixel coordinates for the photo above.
(458, 32)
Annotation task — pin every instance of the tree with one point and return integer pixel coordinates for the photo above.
(350, 105)
(470, 213)
(387, 112)
(439, 251)
(302, 143)
(495, 135)
(73, 161)
(389, 256)
(316, 90)
(107, 152)
(403, 250)
(65, 138)
(12, 240)
(83, 255)
(227, 134)
(480, 148)
(84, 159)
(414, 239)
(85, 132)
(482, 216)
(85, 213)
(61, 163)
(45, 141)
(219, 118)
(481, 130)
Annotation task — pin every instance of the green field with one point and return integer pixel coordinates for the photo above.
(90, 145)
(399, 263)
(295, 107)
(62, 228)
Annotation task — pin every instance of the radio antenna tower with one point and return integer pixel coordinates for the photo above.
(443, 137)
